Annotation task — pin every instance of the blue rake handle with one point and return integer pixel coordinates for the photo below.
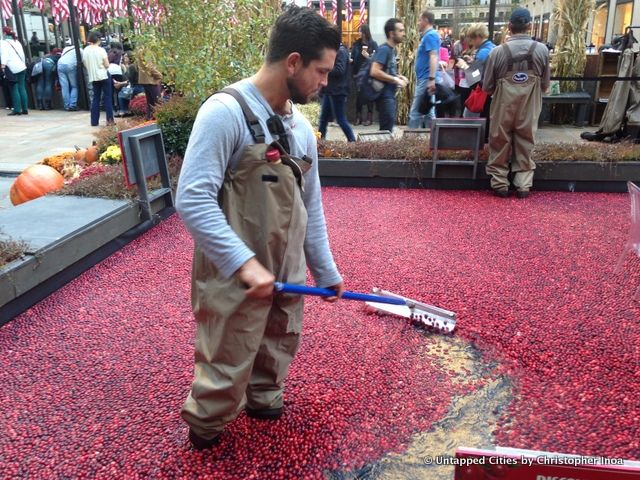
(326, 292)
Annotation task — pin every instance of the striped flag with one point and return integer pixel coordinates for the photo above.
(310, 4)
(363, 12)
(39, 4)
(6, 7)
(323, 10)
(349, 12)
(334, 11)
(59, 10)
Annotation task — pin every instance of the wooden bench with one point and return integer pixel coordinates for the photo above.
(581, 99)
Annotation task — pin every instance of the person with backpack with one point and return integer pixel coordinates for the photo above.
(46, 79)
(249, 194)
(427, 58)
(334, 96)
(361, 53)
(384, 69)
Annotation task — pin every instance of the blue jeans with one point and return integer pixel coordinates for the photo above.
(68, 78)
(386, 106)
(44, 88)
(123, 102)
(416, 119)
(102, 90)
(335, 104)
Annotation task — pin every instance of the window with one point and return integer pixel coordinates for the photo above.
(443, 16)
(481, 14)
(622, 18)
(501, 14)
(599, 25)
(450, 16)
(462, 15)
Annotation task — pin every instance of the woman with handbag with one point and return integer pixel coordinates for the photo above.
(130, 87)
(478, 102)
(15, 71)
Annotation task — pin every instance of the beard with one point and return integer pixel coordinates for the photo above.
(295, 94)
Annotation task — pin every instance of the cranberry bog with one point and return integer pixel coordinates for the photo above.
(545, 355)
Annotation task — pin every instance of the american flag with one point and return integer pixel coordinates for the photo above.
(363, 12)
(39, 4)
(349, 11)
(59, 10)
(6, 7)
(334, 11)
(310, 4)
(323, 10)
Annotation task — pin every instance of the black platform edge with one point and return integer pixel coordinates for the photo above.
(550, 176)
(46, 288)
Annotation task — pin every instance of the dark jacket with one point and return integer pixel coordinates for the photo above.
(340, 76)
(356, 53)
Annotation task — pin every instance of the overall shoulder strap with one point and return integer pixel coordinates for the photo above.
(532, 49)
(257, 132)
(507, 52)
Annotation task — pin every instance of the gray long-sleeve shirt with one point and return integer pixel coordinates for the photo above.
(497, 65)
(217, 141)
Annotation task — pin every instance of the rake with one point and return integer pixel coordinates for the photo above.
(418, 313)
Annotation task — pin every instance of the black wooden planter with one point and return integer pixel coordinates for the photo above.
(560, 176)
(56, 261)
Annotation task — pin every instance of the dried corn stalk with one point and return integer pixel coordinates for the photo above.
(409, 12)
(570, 58)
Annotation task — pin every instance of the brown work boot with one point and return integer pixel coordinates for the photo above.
(265, 413)
(501, 193)
(200, 443)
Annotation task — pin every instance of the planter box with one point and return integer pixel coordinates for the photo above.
(66, 236)
(562, 176)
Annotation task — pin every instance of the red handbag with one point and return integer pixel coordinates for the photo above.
(476, 100)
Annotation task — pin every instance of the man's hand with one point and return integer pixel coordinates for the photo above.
(401, 81)
(339, 288)
(257, 278)
(431, 86)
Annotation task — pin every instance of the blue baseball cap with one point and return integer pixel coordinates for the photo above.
(520, 16)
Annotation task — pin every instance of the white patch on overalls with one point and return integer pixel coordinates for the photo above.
(520, 77)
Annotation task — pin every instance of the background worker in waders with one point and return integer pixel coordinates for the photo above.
(516, 74)
(254, 209)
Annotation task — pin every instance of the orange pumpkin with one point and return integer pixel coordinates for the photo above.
(80, 154)
(35, 181)
(91, 156)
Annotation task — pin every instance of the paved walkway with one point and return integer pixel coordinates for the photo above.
(25, 140)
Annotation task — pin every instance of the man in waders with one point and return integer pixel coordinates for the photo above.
(516, 74)
(249, 194)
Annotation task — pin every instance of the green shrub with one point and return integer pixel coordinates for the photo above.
(312, 112)
(175, 118)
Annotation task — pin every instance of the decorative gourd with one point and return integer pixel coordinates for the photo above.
(91, 155)
(35, 181)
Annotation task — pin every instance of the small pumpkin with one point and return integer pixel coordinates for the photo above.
(35, 181)
(80, 154)
(91, 155)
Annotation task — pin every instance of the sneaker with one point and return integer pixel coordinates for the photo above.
(522, 193)
(265, 413)
(501, 193)
(72, 109)
(200, 443)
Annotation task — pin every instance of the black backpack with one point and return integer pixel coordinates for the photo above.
(369, 87)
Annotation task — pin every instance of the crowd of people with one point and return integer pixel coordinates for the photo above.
(469, 78)
(113, 76)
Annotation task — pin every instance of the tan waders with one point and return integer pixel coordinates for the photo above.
(515, 109)
(244, 347)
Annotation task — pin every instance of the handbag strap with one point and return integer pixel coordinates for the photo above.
(21, 57)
